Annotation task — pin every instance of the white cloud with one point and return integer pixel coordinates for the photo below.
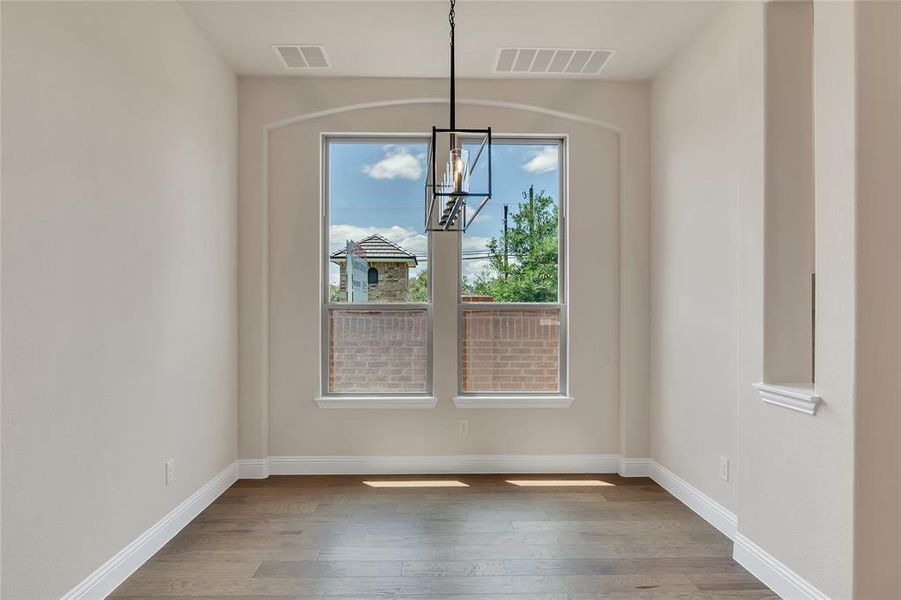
(474, 242)
(542, 161)
(471, 268)
(397, 163)
(471, 245)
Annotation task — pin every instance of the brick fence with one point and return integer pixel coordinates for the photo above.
(378, 350)
(511, 350)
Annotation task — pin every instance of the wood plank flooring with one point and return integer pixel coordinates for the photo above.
(318, 537)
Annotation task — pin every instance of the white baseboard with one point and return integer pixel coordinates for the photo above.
(396, 465)
(633, 467)
(253, 468)
(765, 567)
(261, 468)
(752, 557)
(117, 569)
(705, 506)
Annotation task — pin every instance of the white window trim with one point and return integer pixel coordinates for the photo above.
(326, 399)
(562, 399)
(427, 400)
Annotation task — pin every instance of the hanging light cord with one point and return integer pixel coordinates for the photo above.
(450, 19)
(453, 95)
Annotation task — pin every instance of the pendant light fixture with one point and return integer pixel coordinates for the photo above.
(450, 202)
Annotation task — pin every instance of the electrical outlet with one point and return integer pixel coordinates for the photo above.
(170, 470)
(724, 468)
(463, 427)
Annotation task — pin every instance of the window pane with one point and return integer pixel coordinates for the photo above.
(511, 349)
(375, 201)
(510, 252)
(376, 351)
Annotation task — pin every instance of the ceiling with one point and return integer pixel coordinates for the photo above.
(408, 38)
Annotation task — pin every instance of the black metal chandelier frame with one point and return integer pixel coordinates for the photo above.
(458, 207)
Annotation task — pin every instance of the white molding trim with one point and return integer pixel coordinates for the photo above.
(793, 396)
(705, 506)
(372, 402)
(778, 577)
(633, 467)
(509, 401)
(462, 464)
(253, 468)
(113, 572)
(413, 101)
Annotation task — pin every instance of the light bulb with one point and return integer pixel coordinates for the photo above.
(457, 170)
(458, 174)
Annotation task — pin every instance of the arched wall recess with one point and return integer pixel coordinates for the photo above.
(578, 122)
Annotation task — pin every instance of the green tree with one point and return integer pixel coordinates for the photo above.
(523, 264)
(419, 288)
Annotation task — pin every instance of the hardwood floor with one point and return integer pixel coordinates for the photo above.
(318, 537)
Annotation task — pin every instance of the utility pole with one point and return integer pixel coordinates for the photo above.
(531, 212)
(506, 209)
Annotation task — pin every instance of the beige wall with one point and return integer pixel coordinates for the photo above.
(119, 283)
(280, 321)
(792, 473)
(877, 506)
(696, 174)
(795, 491)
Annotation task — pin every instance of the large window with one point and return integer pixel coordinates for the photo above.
(512, 306)
(376, 297)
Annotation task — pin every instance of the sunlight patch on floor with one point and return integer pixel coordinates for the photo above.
(438, 483)
(559, 483)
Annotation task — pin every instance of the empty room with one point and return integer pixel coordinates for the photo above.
(450, 299)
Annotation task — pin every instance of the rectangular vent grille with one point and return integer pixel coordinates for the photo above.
(555, 61)
(304, 56)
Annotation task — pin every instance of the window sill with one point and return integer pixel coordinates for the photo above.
(793, 396)
(510, 401)
(373, 402)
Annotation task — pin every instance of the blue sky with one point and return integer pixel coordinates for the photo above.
(378, 188)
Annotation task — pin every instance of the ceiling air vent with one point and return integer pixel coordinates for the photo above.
(304, 56)
(553, 61)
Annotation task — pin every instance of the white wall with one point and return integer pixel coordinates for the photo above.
(119, 279)
(279, 253)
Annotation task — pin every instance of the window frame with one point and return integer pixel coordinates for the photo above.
(534, 399)
(400, 399)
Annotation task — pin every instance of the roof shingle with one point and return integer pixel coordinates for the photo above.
(377, 247)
